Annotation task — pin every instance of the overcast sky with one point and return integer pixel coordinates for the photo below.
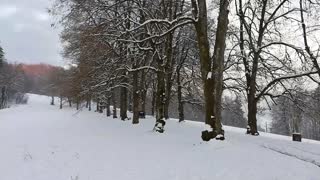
(25, 32)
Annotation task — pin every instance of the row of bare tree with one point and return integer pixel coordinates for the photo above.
(129, 52)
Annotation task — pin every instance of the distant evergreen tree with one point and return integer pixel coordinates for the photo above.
(289, 113)
(280, 116)
(232, 114)
(1, 56)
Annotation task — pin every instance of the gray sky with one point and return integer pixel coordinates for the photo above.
(25, 32)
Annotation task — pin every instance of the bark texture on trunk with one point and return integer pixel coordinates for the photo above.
(108, 111)
(252, 100)
(211, 76)
(180, 102)
(153, 101)
(123, 103)
(218, 62)
(78, 104)
(169, 72)
(130, 101)
(135, 97)
(252, 119)
(160, 98)
(3, 100)
(61, 102)
(70, 102)
(52, 100)
(114, 103)
(89, 104)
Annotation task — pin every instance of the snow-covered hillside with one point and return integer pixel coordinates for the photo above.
(41, 142)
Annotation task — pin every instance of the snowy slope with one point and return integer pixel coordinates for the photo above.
(41, 142)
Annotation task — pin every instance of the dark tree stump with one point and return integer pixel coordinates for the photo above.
(207, 136)
(142, 114)
(296, 137)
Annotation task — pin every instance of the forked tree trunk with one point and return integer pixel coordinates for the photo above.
(200, 9)
(218, 63)
(212, 77)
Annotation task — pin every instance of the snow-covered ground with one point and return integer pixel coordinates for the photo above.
(41, 142)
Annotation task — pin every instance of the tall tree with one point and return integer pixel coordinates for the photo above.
(1, 56)
(211, 68)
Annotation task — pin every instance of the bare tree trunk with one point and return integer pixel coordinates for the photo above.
(252, 119)
(180, 103)
(218, 63)
(143, 101)
(52, 100)
(252, 75)
(123, 103)
(78, 103)
(169, 72)
(89, 104)
(153, 101)
(212, 80)
(160, 98)
(3, 97)
(114, 102)
(70, 102)
(108, 112)
(135, 96)
(204, 50)
(98, 107)
(143, 93)
(130, 102)
(60, 102)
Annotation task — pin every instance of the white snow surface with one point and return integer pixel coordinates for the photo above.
(41, 142)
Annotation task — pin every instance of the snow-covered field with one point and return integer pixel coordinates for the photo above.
(41, 142)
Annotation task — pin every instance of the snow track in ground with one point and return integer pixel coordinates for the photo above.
(41, 142)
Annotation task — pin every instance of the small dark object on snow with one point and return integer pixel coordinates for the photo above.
(142, 114)
(296, 137)
(221, 138)
(207, 136)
